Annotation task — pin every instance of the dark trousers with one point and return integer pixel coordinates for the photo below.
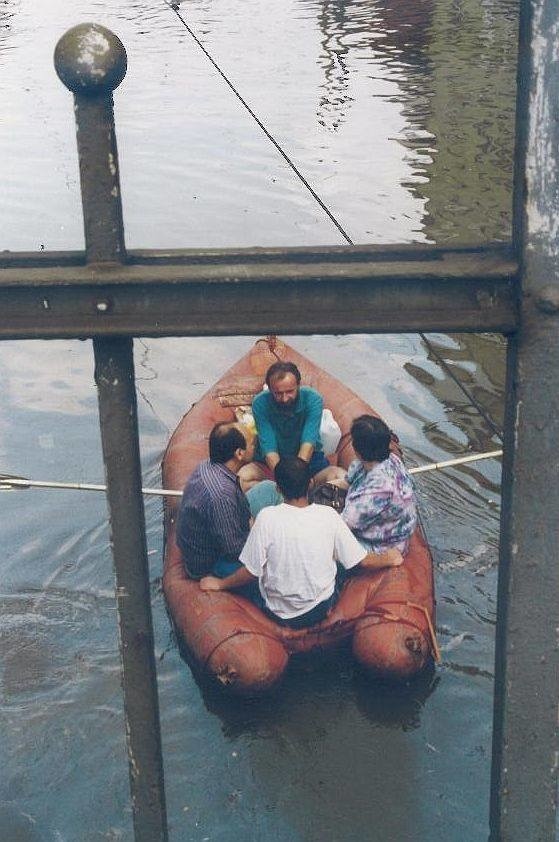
(309, 618)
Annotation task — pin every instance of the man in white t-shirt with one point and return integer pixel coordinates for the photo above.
(292, 550)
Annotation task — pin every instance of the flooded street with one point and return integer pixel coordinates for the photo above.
(401, 118)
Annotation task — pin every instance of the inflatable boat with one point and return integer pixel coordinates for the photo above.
(386, 615)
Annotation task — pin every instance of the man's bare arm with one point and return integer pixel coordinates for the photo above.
(272, 460)
(375, 561)
(236, 580)
(306, 451)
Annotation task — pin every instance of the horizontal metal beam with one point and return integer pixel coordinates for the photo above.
(213, 292)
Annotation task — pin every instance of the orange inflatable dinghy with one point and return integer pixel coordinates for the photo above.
(387, 614)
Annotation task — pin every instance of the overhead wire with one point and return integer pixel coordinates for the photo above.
(174, 6)
(258, 121)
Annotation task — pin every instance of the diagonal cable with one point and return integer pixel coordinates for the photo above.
(174, 6)
(258, 121)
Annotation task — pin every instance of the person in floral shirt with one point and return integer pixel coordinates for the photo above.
(380, 507)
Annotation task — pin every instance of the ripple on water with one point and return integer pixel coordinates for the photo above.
(39, 630)
(401, 114)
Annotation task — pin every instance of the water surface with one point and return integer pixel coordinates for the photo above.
(401, 117)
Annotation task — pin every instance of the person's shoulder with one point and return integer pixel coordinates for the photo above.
(198, 472)
(336, 522)
(268, 516)
(324, 514)
(261, 400)
(208, 470)
(262, 396)
(310, 392)
(396, 463)
(196, 486)
(310, 396)
(271, 512)
(355, 467)
(399, 471)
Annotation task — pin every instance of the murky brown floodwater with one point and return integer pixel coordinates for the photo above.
(401, 116)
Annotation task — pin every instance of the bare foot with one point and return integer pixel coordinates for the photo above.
(210, 583)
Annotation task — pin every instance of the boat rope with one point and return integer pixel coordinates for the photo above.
(175, 8)
(388, 616)
(11, 481)
(236, 633)
(378, 615)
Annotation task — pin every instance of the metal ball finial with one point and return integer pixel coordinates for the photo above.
(90, 59)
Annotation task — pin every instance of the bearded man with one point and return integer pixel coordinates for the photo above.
(287, 417)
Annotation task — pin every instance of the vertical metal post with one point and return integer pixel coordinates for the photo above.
(91, 62)
(525, 734)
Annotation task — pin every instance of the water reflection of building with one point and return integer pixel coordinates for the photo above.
(454, 67)
(478, 363)
(6, 15)
(335, 94)
(472, 53)
(387, 33)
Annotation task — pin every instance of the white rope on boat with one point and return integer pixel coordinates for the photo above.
(461, 460)
(7, 481)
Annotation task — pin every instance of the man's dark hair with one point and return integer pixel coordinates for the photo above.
(280, 369)
(225, 438)
(292, 477)
(370, 438)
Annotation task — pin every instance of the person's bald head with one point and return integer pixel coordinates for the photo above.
(230, 440)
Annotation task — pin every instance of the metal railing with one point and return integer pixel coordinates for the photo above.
(111, 295)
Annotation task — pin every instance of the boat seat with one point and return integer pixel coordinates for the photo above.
(239, 391)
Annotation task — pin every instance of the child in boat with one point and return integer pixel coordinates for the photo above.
(292, 550)
(380, 506)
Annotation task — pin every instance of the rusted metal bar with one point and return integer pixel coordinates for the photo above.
(525, 735)
(91, 62)
(493, 259)
(114, 375)
(252, 291)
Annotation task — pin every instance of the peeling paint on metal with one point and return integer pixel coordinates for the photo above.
(542, 165)
(93, 47)
(517, 421)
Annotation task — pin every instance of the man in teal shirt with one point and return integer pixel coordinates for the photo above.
(287, 417)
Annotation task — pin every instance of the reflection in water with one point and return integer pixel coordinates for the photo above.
(332, 105)
(332, 755)
(484, 380)
(6, 15)
(469, 188)
(390, 35)
(454, 67)
(295, 741)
